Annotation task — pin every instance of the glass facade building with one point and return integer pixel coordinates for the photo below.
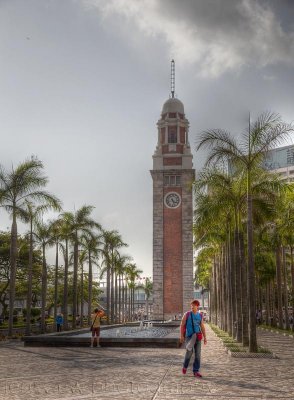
(282, 157)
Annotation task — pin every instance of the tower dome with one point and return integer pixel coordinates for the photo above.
(173, 105)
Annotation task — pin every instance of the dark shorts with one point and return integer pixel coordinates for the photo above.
(96, 331)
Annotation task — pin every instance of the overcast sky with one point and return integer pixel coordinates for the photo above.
(82, 84)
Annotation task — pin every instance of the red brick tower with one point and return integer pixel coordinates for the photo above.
(172, 175)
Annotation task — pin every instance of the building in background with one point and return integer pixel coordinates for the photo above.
(281, 161)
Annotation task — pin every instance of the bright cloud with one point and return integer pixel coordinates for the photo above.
(216, 37)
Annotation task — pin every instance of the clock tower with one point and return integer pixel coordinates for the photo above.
(172, 176)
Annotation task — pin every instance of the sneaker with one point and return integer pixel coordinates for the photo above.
(98, 345)
(91, 345)
(197, 374)
(184, 370)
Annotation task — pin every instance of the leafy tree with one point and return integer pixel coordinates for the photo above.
(21, 270)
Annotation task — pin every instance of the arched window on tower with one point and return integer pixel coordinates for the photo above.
(172, 134)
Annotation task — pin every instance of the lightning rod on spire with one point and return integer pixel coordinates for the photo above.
(172, 78)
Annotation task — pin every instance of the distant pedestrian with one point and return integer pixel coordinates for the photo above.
(59, 322)
(95, 326)
(191, 331)
(258, 317)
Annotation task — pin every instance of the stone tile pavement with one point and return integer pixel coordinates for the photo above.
(149, 374)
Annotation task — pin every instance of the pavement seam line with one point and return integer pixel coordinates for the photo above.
(158, 388)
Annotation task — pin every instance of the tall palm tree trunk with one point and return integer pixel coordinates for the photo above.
(215, 304)
(267, 304)
(90, 288)
(224, 289)
(218, 291)
(30, 282)
(251, 274)
(279, 287)
(274, 315)
(115, 297)
(130, 303)
(233, 287)
(126, 300)
(133, 303)
(292, 281)
(82, 298)
(134, 292)
(211, 304)
(221, 288)
(65, 287)
(75, 283)
(238, 287)
(56, 285)
(244, 283)
(258, 295)
(122, 299)
(119, 298)
(229, 291)
(12, 277)
(44, 291)
(147, 307)
(112, 294)
(285, 288)
(108, 293)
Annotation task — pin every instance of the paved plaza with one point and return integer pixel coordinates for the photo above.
(130, 373)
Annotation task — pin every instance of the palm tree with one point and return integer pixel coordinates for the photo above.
(286, 221)
(227, 195)
(23, 183)
(267, 132)
(56, 236)
(121, 263)
(208, 233)
(79, 222)
(112, 243)
(148, 287)
(43, 238)
(133, 273)
(30, 214)
(82, 259)
(91, 243)
(65, 236)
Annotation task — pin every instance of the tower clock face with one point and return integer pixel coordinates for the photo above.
(172, 200)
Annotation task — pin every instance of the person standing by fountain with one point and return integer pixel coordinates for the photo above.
(191, 331)
(59, 322)
(95, 326)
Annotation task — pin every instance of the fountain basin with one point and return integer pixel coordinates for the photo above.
(161, 335)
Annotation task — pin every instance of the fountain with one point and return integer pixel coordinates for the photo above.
(140, 334)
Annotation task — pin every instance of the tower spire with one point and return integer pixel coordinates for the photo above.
(172, 78)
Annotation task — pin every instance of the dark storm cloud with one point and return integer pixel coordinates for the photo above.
(258, 32)
(217, 35)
